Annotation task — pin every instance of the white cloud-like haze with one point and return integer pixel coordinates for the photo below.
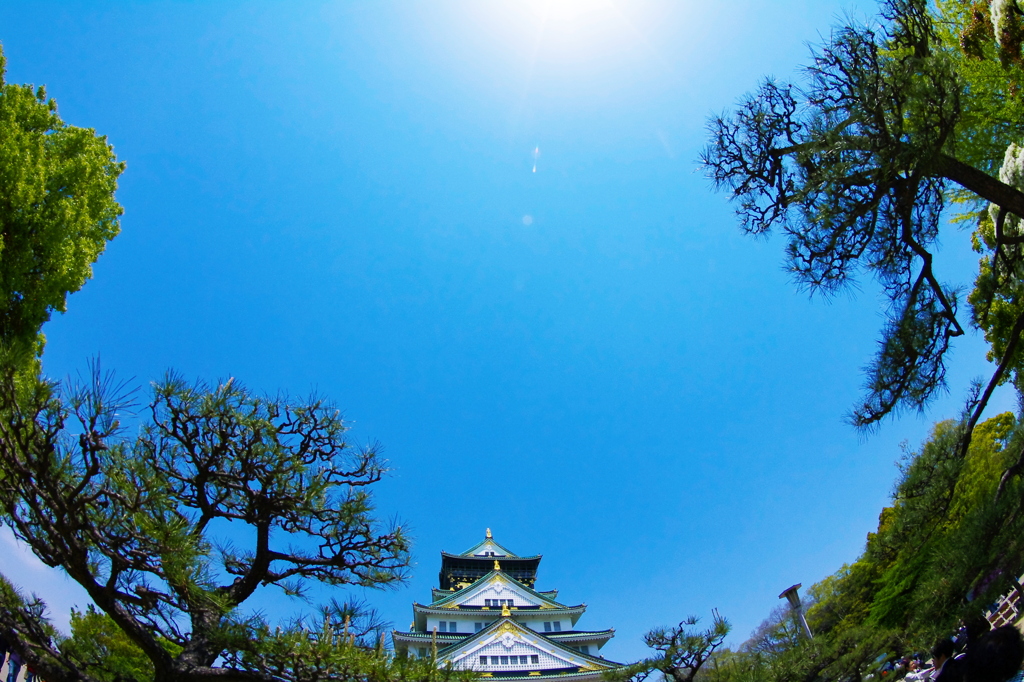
(20, 566)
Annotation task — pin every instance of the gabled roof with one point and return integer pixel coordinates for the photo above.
(508, 633)
(447, 638)
(403, 639)
(436, 594)
(483, 557)
(499, 577)
(420, 612)
(578, 636)
(489, 544)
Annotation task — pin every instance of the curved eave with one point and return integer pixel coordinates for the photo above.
(581, 636)
(427, 636)
(510, 558)
(596, 661)
(452, 596)
(495, 611)
(438, 594)
(469, 552)
(403, 640)
(580, 676)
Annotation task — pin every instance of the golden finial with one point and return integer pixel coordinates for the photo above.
(497, 566)
(489, 534)
(505, 613)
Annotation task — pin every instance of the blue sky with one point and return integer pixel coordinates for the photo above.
(588, 359)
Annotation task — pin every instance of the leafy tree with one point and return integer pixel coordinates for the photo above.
(855, 168)
(57, 212)
(681, 651)
(944, 550)
(102, 650)
(172, 531)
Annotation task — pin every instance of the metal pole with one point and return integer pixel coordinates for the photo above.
(793, 597)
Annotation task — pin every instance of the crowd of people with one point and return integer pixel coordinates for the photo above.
(977, 654)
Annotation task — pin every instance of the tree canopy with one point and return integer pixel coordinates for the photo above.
(173, 525)
(896, 122)
(945, 549)
(856, 167)
(175, 517)
(57, 211)
(681, 651)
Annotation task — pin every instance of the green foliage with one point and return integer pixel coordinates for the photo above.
(856, 168)
(57, 211)
(992, 114)
(682, 651)
(101, 649)
(333, 651)
(949, 544)
(310, 655)
(172, 525)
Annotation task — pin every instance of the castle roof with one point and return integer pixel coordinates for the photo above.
(498, 579)
(446, 639)
(486, 616)
(461, 570)
(505, 635)
(436, 594)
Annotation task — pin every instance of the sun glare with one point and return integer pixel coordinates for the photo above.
(562, 31)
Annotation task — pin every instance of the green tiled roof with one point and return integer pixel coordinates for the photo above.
(436, 593)
(496, 610)
(451, 596)
(510, 557)
(577, 675)
(543, 636)
(580, 635)
(508, 553)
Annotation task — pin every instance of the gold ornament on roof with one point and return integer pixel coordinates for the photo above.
(497, 566)
(504, 611)
(488, 533)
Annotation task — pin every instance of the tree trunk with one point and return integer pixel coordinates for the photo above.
(984, 185)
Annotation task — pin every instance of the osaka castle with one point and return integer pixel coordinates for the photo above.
(486, 616)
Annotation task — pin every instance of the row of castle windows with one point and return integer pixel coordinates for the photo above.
(499, 602)
(510, 660)
(452, 626)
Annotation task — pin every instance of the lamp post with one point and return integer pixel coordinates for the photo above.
(793, 596)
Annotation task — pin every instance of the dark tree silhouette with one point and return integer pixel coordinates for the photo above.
(221, 493)
(855, 170)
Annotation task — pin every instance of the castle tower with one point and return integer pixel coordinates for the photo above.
(486, 616)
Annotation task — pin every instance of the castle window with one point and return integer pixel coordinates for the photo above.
(504, 660)
(547, 626)
(423, 652)
(443, 626)
(585, 650)
(483, 660)
(534, 658)
(477, 627)
(558, 625)
(494, 660)
(452, 627)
